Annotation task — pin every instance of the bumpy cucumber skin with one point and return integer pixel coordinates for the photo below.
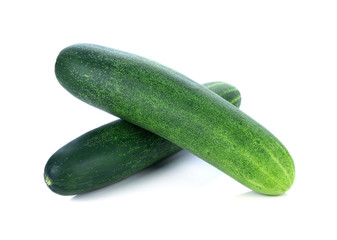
(113, 152)
(180, 110)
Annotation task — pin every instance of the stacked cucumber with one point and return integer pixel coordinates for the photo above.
(162, 112)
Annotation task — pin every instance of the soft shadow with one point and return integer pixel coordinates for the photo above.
(255, 195)
(134, 180)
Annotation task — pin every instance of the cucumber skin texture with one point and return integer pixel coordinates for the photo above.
(180, 110)
(113, 152)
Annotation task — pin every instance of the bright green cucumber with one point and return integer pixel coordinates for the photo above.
(180, 110)
(113, 152)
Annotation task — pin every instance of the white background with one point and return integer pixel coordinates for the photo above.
(281, 55)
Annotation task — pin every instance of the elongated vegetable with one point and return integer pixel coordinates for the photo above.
(180, 110)
(113, 152)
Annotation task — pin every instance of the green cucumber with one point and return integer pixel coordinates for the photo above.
(113, 152)
(180, 110)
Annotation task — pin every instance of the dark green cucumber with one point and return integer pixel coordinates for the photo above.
(113, 152)
(180, 110)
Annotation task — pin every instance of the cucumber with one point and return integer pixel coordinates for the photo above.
(113, 152)
(180, 110)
